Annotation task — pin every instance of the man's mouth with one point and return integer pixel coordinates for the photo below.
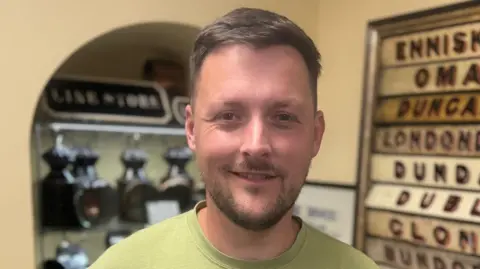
(254, 175)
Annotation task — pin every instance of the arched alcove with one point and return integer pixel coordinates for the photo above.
(100, 56)
(116, 57)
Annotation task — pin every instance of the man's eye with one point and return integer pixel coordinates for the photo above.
(227, 116)
(285, 117)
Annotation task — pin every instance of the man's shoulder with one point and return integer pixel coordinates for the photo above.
(341, 254)
(140, 246)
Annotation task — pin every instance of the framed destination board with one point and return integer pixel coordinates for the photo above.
(419, 171)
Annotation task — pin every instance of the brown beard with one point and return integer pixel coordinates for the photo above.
(223, 199)
(228, 206)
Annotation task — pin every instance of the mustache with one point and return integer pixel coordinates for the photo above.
(256, 165)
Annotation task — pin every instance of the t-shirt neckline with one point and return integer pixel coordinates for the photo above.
(220, 258)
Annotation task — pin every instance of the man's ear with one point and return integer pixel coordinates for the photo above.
(319, 129)
(190, 127)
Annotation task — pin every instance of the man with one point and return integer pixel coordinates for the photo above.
(254, 126)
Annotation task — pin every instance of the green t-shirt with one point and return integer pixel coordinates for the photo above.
(179, 243)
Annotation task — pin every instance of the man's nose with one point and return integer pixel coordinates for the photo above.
(256, 140)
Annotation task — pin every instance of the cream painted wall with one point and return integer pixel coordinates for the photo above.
(39, 35)
(341, 39)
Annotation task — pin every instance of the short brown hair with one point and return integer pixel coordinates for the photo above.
(258, 28)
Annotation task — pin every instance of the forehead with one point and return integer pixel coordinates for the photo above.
(239, 72)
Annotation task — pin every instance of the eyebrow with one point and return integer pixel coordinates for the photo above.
(276, 104)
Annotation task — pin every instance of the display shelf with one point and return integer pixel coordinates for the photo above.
(65, 126)
(114, 224)
(109, 141)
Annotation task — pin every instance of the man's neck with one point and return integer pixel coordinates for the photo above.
(239, 243)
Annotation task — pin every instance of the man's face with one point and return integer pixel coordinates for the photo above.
(254, 131)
